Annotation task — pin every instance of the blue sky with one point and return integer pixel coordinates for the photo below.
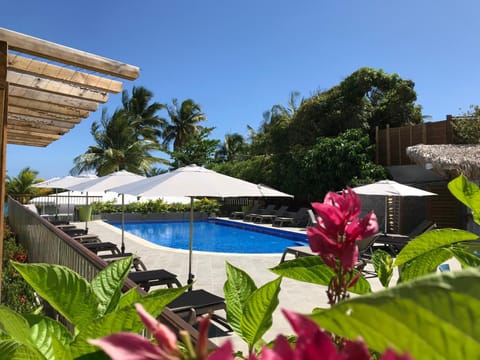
(238, 58)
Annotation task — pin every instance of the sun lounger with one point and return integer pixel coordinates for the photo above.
(300, 218)
(97, 247)
(148, 278)
(268, 210)
(241, 214)
(137, 264)
(75, 231)
(269, 217)
(364, 247)
(396, 242)
(88, 238)
(195, 303)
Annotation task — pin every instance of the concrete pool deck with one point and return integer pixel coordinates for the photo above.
(209, 270)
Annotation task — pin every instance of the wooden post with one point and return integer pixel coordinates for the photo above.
(377, 143)
(389, 152)
(3, 144)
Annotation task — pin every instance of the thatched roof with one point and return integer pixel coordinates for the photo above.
(448, 160)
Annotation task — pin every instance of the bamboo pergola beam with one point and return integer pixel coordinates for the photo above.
(38, 105)
(55, 87)
(66, 55)
(52, 98)
(50, 71)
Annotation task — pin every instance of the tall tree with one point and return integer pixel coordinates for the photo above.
(273, 132)
(184, 122)
(231, 149)
(142, 114)
(365, 99)
(21, 186)
(117, 147)
(198, 149)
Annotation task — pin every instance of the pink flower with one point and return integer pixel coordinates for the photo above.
(128, 346)
(338, 227)
(313, 343)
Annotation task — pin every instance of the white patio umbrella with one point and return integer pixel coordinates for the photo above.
(195, 181)
(105, 183)
(388, 188)
(63, 183)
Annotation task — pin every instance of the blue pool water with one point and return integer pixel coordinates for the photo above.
(215, 236)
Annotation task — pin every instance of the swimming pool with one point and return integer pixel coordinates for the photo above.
(215, 235)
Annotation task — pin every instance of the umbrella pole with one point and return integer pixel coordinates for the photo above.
(68, 207)
(123, 224)
(190, 275)
(386, 215)
(86, 215)
(56, 204)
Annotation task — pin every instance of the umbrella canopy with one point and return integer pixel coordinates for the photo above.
(64, 183)
(105, 183)
(195, 181)
(46, 183)
(388, 188)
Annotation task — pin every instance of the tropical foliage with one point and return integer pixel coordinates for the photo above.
(183, 123)
(466, 129)
(16, 293)
(126, 139)
(95, 309)
(21, 186)
(205, 205)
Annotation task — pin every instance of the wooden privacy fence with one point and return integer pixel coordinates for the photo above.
(391, 143)
(44, 243)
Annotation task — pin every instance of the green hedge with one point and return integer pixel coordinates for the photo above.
(157, 206)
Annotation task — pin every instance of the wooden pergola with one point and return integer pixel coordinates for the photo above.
(45, 90)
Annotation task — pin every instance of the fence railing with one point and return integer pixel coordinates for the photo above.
(44, 243)
(391, 143)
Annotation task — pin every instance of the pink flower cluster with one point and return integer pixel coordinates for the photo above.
(312, 343)
(339, 227)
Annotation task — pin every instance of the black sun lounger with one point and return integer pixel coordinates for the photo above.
(137, 263)
(192, 304)
(148, 278)
(97, 247)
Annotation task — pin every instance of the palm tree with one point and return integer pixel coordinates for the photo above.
(118, 147)
(183, 122)
(21, 187)
(142, 115)
(231, 149)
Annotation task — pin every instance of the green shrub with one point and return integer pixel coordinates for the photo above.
(16, 293)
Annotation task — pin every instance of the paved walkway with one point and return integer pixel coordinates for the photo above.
(209, 270)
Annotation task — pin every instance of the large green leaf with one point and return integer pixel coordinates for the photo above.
(431, 240)
(11, 350)
(468, 193)
(129, 298)
(383, 265)
(312, 269)
(237, 289)
(424, 264)
(435, 317)
(108, 284)
(258, 310)
(124, 319)
(69, 293)
(464, 256)
(14, 325)
(45, 331)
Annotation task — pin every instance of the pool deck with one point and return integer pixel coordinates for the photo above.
(209, 270)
